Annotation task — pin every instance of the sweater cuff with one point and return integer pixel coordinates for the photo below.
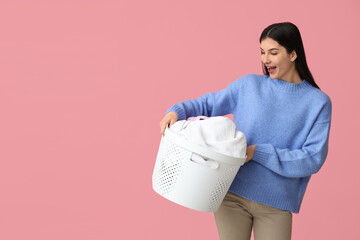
(262, 152)
(179, 111)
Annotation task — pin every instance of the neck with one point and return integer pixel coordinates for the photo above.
(293, 76)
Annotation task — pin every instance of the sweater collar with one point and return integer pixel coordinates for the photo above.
(284, 86)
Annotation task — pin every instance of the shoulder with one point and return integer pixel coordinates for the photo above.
(250, 79)
(319, 96)
(253, 77)
(322, 101)
(248, 84)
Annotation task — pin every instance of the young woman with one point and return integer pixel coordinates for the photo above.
(286, 120)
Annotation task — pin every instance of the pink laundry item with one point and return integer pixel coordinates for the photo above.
(197, 118)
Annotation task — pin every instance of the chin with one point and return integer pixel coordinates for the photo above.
(272, 76)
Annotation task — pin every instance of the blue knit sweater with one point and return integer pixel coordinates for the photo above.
(289, 124)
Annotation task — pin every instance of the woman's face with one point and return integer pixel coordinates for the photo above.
(278, 62)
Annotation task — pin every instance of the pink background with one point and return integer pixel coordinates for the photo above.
(84, 84)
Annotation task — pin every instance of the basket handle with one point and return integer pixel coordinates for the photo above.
(207, 163)
(208, 153)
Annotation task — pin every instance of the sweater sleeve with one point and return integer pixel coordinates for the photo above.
(211, 104)
(304, 162)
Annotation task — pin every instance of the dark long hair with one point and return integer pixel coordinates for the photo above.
(288, 36)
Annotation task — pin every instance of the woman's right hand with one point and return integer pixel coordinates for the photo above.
(168, 120)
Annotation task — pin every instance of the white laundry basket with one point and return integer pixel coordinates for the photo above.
(197, 182)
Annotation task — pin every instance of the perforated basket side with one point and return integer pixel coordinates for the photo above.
(222, 186)
(167, 168)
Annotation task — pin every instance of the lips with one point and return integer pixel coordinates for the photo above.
(271, 69)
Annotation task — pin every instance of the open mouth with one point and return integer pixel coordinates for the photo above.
(271, 69)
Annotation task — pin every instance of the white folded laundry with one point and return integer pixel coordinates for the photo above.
(217, 133)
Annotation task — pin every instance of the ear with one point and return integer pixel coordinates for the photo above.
(293, 56)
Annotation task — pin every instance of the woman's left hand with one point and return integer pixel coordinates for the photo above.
(250, 152)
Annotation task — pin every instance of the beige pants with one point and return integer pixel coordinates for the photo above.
(237, 216)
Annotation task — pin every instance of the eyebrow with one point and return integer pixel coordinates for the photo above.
(270, 49)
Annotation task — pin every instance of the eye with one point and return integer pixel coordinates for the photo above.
(262, 53)
(274, 54)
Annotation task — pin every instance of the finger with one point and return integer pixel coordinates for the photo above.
(172, 121)
(248, 156)
(161, 131)
(163, 125)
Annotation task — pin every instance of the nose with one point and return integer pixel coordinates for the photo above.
(265, 58)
